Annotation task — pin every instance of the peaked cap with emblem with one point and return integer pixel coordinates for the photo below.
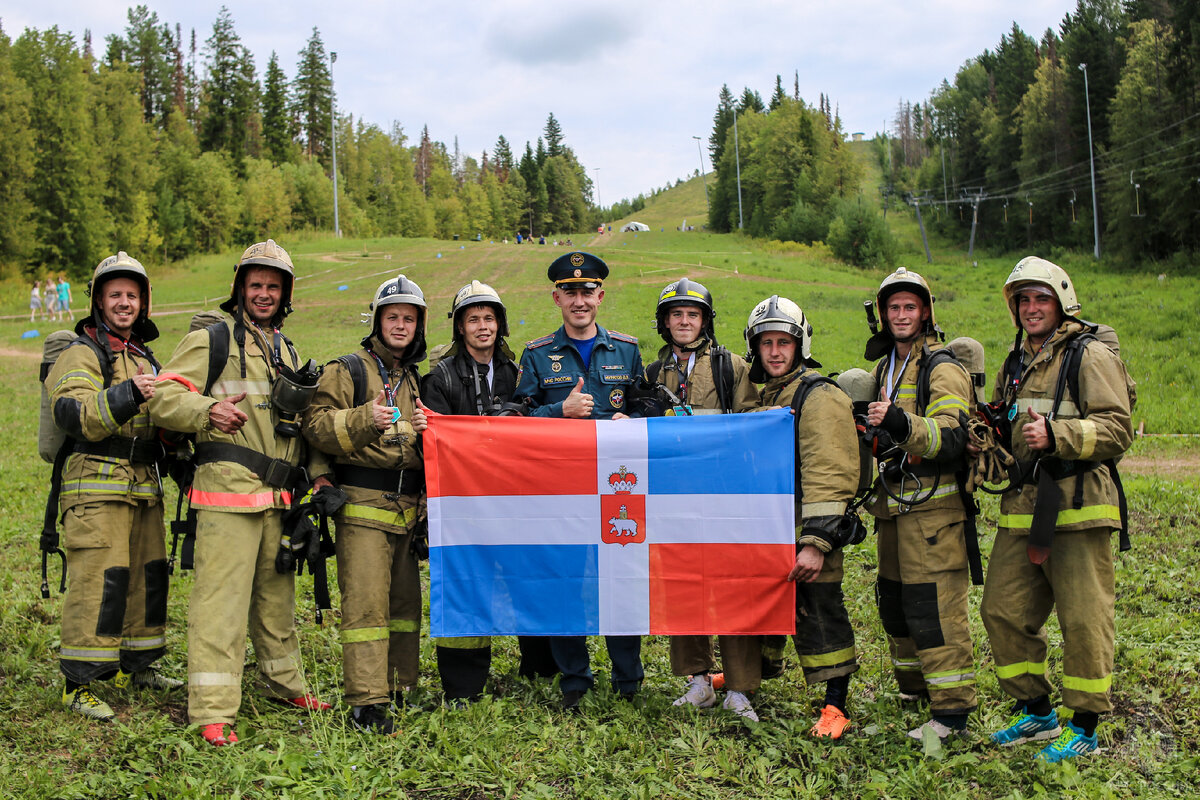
(578, 270)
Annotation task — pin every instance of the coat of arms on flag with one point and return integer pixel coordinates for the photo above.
(673, 525)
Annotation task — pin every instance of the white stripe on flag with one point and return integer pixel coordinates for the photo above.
(624, 589)
(575, 519)
(622, 444)
(528, 519)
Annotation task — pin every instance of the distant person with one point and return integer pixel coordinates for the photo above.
(35, 300)
(64, 295)
(50, 299)
(541, 240)
(518, 238)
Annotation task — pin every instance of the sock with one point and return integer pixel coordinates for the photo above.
(1038, 706)
(835, 692)
(1086, 721)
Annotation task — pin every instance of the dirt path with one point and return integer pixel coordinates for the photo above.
(1173, 468)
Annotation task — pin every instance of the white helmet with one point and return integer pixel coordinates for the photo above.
(777, 314)
(400, 289)
(122, 265)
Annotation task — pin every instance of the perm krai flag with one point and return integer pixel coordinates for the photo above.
(671, 525)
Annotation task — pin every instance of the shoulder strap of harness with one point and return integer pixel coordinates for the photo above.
(722, 369)
(929, 360)
(653, 371)
(358, 376)
(218, 353)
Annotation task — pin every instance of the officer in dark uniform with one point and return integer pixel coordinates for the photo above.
(583, 371)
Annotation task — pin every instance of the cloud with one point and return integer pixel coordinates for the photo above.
(575, 35)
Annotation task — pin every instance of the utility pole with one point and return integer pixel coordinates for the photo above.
(1087, 104)
(916, 203)
(702, 175)
(737, 160)
(337, 229)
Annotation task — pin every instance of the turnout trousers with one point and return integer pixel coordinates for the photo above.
(236, 586)
(741, 659)
(1078, 582)
(824, 638)
(464, 663)
(922, 598)
(381, 612)
(115, 611)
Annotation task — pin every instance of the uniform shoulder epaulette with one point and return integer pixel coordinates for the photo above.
(623, 337)
(539, 342)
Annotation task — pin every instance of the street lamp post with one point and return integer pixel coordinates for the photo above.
(737, 160)
(337, 228)
(700, 152)
(1087, 104)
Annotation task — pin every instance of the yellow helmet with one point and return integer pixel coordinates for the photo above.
(264, 254)
(904, 280)
(479, 293)
(1034, 270)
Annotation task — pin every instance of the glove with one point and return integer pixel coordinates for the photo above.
(419, 546)
(895, 422)
(992, 464)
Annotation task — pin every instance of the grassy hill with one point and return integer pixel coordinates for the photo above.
(515, 743)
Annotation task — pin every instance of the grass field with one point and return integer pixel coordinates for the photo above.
(516, 743)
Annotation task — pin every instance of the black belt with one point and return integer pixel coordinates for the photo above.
(271, 471)
(139, 451)
(1056, 468)
(401, 482)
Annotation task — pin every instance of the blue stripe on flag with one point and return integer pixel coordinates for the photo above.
(514, 589)
(722, 454)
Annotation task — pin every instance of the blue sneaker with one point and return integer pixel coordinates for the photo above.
(1071, 743)
(1026, 727)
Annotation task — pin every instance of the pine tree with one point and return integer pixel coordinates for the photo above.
(722, 122)
(423, 165)
(312, 97)
(796, 86)
(229, 91)
(277, 130)
(16, 161)
(751, 100)
(502, 157)
(178, 74)
(777, 97)
(554, 136)
(147, 48)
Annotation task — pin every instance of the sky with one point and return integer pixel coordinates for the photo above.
(630, 82)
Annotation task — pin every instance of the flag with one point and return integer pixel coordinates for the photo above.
(671, 525)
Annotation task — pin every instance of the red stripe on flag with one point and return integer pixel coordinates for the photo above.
(486, 456)
(722, 588)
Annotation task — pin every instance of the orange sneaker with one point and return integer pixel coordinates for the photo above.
(215, 734)
(307, 702)
(832, 724)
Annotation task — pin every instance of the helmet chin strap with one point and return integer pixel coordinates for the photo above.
(700, 341)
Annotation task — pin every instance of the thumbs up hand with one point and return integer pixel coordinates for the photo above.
(877, 409)
(578, 405)
(1037, 432)
(381, 413)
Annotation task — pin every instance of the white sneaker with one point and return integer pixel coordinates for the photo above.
(699, 693)
(739, 704)
(943, 732)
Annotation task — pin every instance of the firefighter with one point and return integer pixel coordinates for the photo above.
(110, 497)
(248, 456)
(381, 530)
(920, 514)
(779, 340)
(706, 379)
(1056, 554)
(583, 371)
(477, 376)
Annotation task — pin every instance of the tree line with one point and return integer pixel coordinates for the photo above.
(798, 180)
(1009, 136)
(165, 146)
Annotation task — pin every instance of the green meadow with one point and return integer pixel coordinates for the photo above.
(516, 742)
